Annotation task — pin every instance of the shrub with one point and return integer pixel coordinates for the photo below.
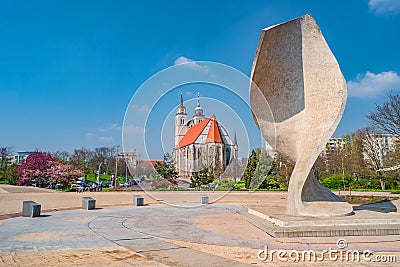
(226, 185)
(336, 182)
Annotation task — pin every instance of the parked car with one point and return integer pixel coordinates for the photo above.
(57, 186)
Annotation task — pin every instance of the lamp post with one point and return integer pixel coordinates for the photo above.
(280, 166)
(344, 184)
(98, 173)
(116, 166)
(126, 171)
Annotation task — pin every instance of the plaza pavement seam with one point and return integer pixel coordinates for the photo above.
(247, 219)
(173, 258)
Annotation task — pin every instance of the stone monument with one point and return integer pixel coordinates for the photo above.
(295, 72)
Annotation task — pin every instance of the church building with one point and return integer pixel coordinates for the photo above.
(201, 142)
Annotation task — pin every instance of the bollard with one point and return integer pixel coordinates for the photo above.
(31, 209)
(88, 203)
(204, 199)
(138, 200)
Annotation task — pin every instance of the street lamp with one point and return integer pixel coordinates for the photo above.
(344, 183)
(116, 166)
(280, 166)
(98, 173)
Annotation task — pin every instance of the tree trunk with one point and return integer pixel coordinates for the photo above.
(383, 184)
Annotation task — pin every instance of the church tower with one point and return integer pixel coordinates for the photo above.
(198, 112)
(180, 122)
(235, 148)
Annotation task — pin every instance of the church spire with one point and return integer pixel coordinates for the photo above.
(181, 108)
(198, 111)
(198, 100)
(235, 140)
(181, 102)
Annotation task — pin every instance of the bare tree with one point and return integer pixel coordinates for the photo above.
(4, 153)
(106, 155)
(387, 116)
(355, 160)
(376, 152)
(62, 156)
(81, 159)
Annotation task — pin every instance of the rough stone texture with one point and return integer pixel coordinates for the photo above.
(296, 73)
(88, 203)
(204, 199)
(138, 200)
(31, 209)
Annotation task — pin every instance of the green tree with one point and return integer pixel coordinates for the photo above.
(202, 177)
(258, 167)
(250, 168)
(166, 169)
(10, 174)
(4, 153)
(335, 182)
(283, 168)
(81, 159)
(265, 172)
(271, 183)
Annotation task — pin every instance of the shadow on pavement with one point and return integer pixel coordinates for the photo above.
(384, 206)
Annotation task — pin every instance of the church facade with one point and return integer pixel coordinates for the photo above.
(201, 142)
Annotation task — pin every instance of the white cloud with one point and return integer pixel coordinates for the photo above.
(89, 135)
(141, 109)
(370, 85)
(190, 63)
(110, 127)
(114, 126)
(133, 129)
(105, 139)
(383, 7)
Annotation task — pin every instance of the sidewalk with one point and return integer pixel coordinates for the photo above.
(120, 234)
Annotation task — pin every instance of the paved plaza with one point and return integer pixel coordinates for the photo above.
(179, 233)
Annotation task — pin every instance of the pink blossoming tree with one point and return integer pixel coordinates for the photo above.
(42, 168)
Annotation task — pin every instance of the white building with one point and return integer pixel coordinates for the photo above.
(378, 146)
(130, 159)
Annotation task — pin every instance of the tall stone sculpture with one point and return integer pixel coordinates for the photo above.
(295, 72)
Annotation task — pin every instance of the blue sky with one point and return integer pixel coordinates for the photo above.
(68, 69)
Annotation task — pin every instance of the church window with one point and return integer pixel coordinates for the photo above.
(182, 120)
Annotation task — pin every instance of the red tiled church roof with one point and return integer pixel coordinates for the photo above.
(193, 133)
(214, 136)
(144, 163)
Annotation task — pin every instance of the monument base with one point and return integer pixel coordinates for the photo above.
(326, 209)
(376, 219)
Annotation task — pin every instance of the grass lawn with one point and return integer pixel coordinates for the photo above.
(91, 177)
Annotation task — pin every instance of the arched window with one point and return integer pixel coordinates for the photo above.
(182, 120)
